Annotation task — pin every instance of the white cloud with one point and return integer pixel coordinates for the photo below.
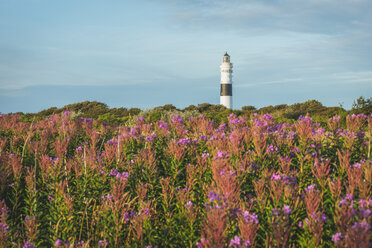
(353, 77)
(283, 81)
(311, 16)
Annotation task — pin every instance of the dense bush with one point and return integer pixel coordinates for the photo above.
(186, 182)
(218, 113)
(362, 105)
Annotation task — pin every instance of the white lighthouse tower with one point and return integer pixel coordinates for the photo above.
(226, 82)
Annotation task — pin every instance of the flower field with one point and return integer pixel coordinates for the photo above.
(67, 182)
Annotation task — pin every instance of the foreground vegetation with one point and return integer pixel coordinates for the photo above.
(249, 182)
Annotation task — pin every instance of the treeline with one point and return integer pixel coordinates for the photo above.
(218, 113)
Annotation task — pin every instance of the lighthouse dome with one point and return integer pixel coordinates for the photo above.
(226, 58)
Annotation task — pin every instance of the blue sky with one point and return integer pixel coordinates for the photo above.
(148, 53)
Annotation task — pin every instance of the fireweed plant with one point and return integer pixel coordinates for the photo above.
(251, 182)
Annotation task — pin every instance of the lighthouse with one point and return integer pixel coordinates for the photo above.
(226, 82)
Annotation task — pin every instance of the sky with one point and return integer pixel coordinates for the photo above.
(147, 53)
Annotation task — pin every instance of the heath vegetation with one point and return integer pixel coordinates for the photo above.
(186, 181)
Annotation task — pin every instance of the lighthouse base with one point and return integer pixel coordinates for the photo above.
(226, 101)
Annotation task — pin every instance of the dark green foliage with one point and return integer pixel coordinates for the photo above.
(248, 108)
(218, 113)
(362, 105)
(167, 107)
(134, 111)
(108, 118)
(50, 111)
(300, 109)
(190, 108)
(271, 109)
(119, 112)
(203, 107)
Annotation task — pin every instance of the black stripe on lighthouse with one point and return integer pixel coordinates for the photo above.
(226, 90)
